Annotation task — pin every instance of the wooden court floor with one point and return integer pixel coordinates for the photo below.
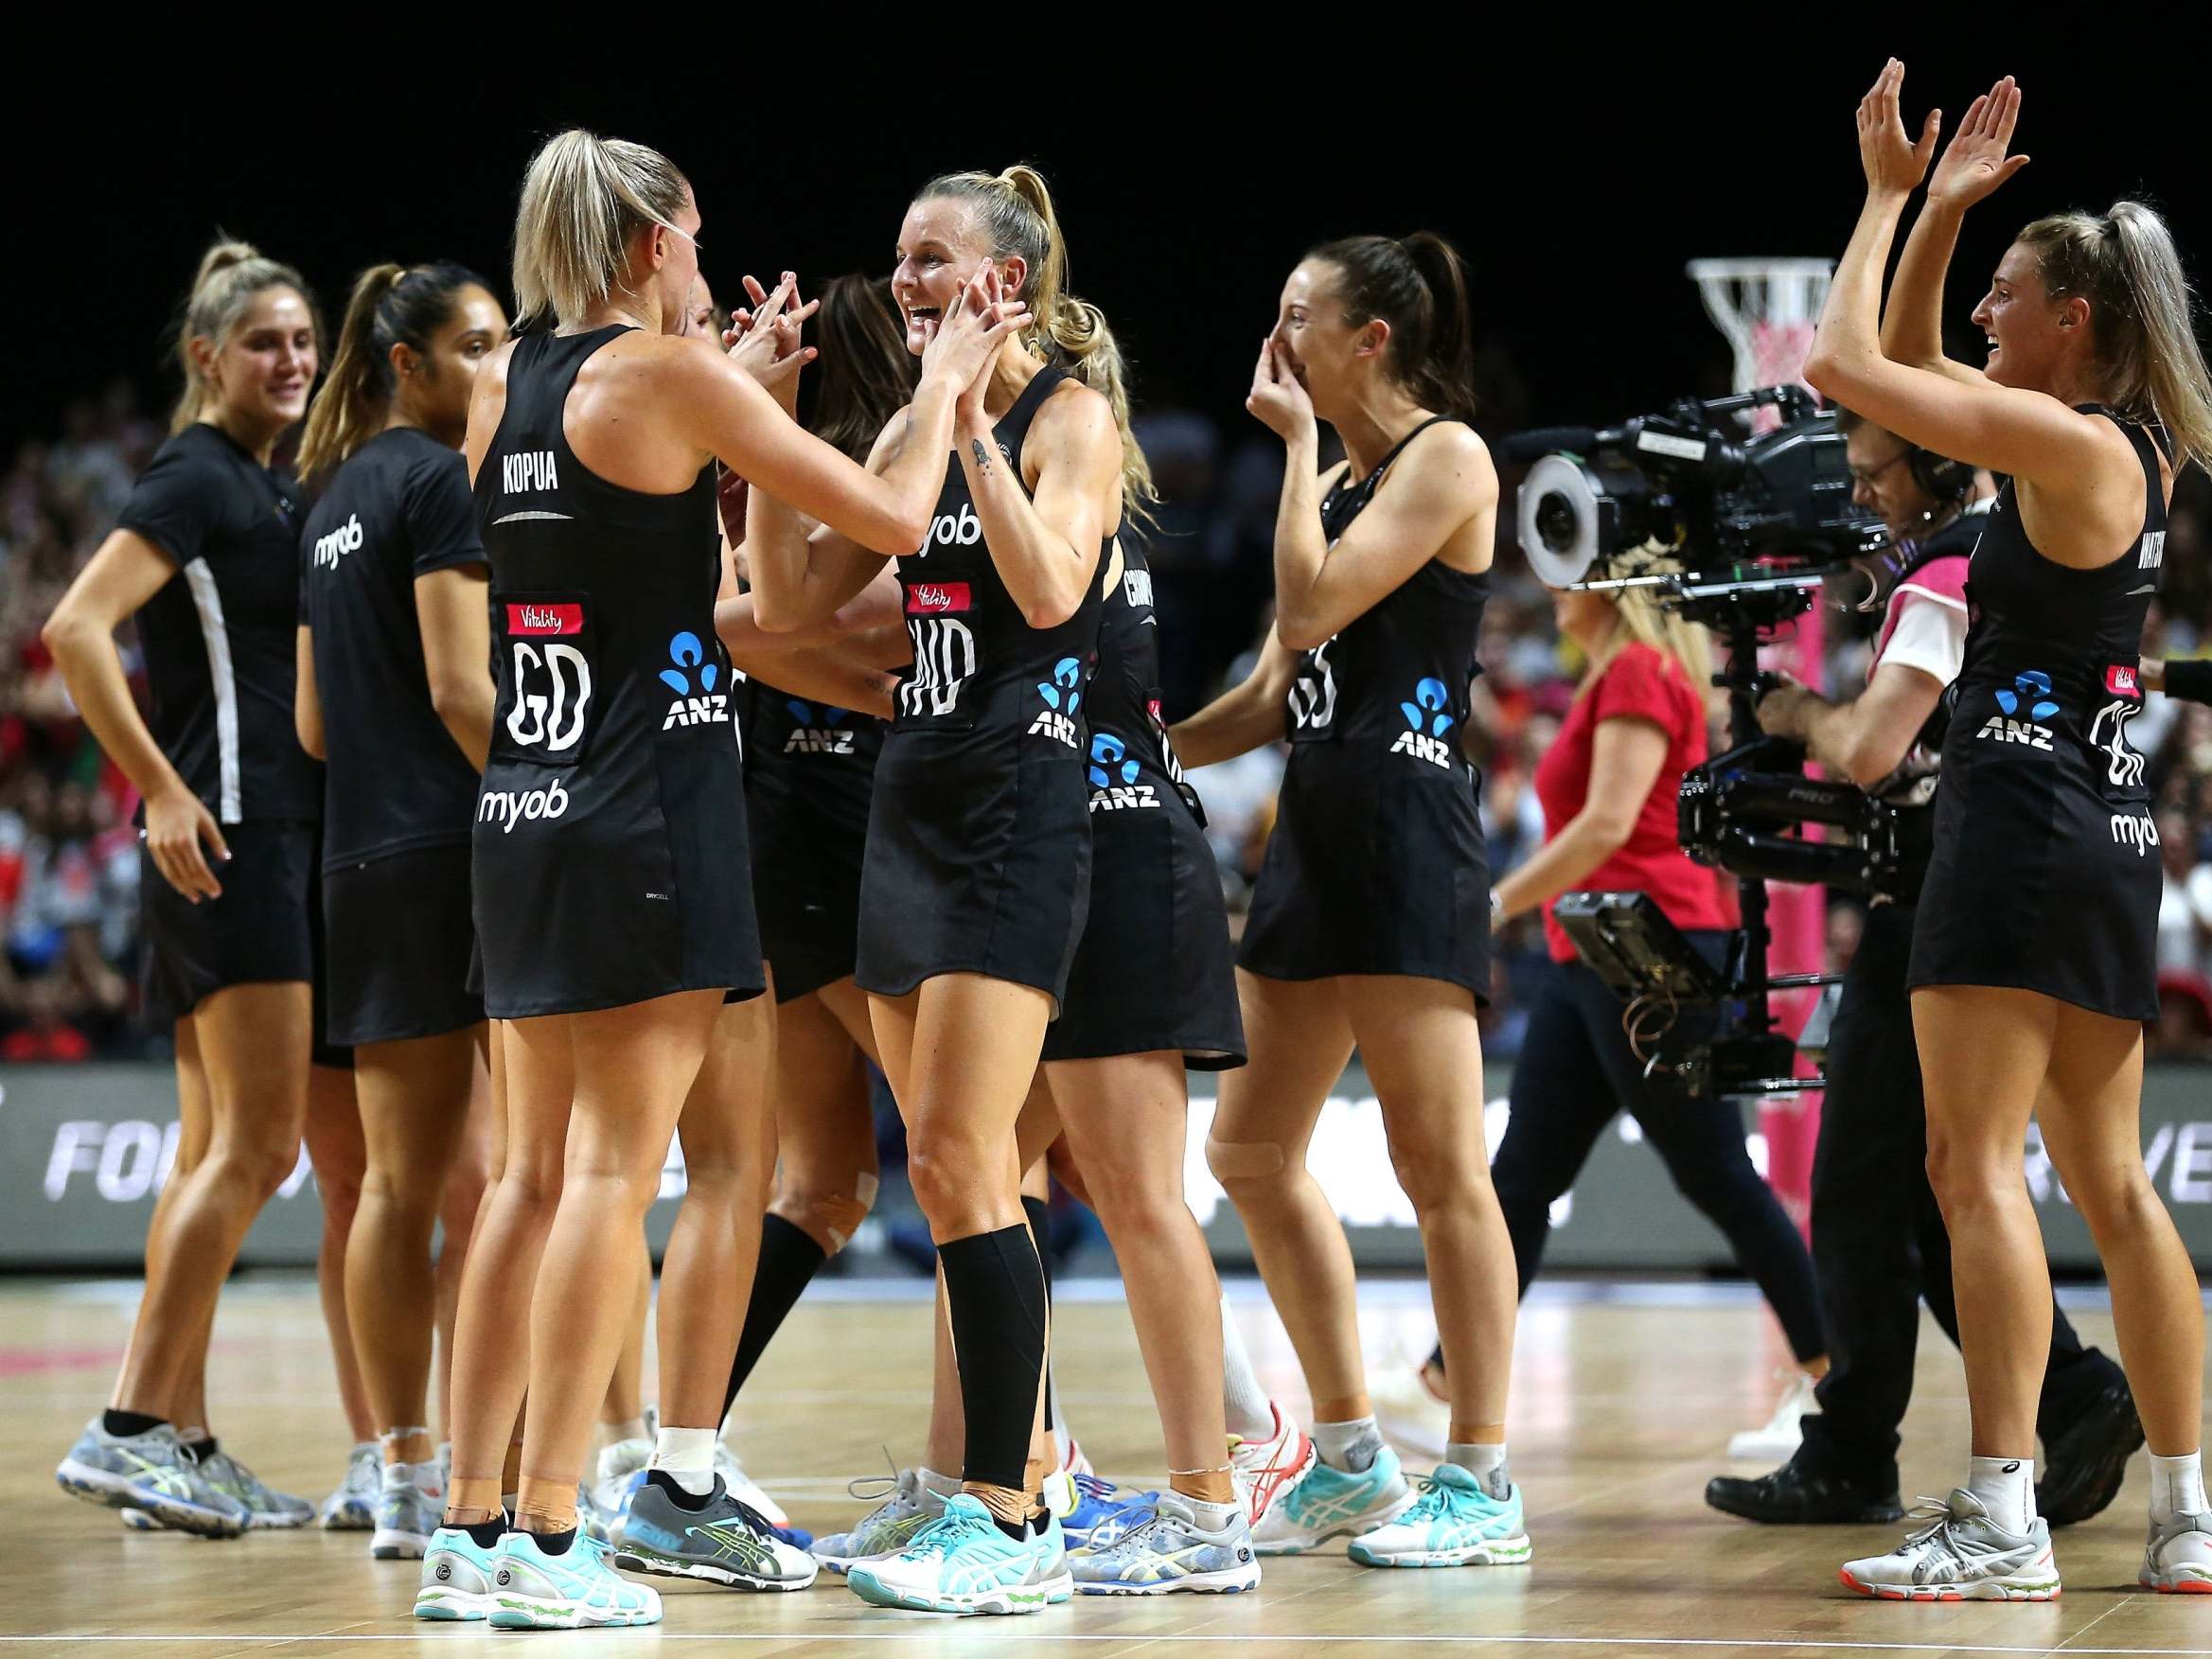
(1624, 1404)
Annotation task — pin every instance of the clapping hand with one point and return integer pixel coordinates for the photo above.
(1895, 163)
(1976, 162)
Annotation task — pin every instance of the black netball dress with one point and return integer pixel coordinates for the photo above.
(1375, 865)
(809, 771)
(979, 832)
(220, 646)
(1155, 969)
(400, 795)
(610, 862)
(2045, 874)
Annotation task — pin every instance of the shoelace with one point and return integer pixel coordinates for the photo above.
(1092, 1486)
(880, 1486)
(944, 1535)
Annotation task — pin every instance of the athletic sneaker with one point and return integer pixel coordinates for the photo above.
(1265, 1469)
(269, 1510)
(1777, 1440)
(353, 1507)
(1094, 1513)
(723, 1540)
(1452, 1523)
(1072, 1461)
(574, 1590)
(1408, 1413)
(1325, 1503)
(1168, 1550)
(2178, 1559)
(962, 1563)
(456, 1576)
(408, 1508)
(911, 1504)
(748, 1491)
(153, 1471)
(1960, 1554)
(616, 1476)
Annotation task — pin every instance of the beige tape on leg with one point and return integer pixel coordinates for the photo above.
(1233, 1161)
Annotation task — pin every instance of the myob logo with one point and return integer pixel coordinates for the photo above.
(344, 540)
(514, 806)
(949, 530)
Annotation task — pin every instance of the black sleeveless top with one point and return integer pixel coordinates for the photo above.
(602, 597)
(1129, 747)
(1394, 680)
(978, 666)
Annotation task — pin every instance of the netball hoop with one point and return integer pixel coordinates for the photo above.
(1767, 309)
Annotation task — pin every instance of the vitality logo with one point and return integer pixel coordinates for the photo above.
(1426, 708)
(1113, 777)
(709, 705)
(2033, 690)
(816, 731)
(1063, 695)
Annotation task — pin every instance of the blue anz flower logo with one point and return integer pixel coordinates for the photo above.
(685, 652)
(1431, 696)
(1068, 676)
(2035, 683)
(808, 715)
(1109, 760)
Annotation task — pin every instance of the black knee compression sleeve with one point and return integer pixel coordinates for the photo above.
(789, 1260)
(994, 1288)
(1040, 1211)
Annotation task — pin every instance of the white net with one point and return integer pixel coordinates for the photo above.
(1767, 309)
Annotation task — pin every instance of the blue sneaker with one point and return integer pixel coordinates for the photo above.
(1454, 1523)
(1101, 1512)
(1169, 1550)
(456, 1576)
(576, 1590)
(154, 1473)
(1326, 1503)
(962, 1563)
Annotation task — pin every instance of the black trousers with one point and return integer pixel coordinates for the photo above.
(1879, 1245)
(1576, 1071)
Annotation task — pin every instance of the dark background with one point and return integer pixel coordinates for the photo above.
(1578, 174)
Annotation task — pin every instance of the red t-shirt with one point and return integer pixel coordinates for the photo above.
(1644, 684)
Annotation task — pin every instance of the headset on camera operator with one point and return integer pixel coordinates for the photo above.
(1879, 1244)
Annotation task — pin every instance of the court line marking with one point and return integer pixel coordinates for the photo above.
(934, 1634)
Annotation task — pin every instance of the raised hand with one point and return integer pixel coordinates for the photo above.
(1975, 163)
(1277, 396)
(1894, 163)
(964, 345)
(765, 341)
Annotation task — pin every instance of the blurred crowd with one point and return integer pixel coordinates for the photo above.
(68, 858)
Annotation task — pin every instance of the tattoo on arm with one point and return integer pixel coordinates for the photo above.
(983, 456)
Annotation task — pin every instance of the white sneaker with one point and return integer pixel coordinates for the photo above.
(1777, 1442)
(353, 1507)
(409, 1508)
(616, 1474)
(1409, 1414)
(1072, 1461)
(746, 1490)
(1960, 1554)
(1265, 1469)
(2178, 1559)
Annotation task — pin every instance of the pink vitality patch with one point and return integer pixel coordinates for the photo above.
(2120, 680)
(543, 621)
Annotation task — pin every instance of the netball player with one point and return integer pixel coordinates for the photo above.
(2032, 957)
(978, 865)
(609, 886)
(1369, 922)
(204, 556)
(393, 643)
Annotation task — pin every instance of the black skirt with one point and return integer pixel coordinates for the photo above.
(256, 932)
(400, 936)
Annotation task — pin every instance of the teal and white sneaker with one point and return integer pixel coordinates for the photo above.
(269, 1510)
(1326, 1503)
(353, 1507)
(1452, 1523)
(576, 1590)
(916, 1497)
(456, 1576)
(1167, 1550)
(962, 1563)
(408, 1508)
(154, 1473)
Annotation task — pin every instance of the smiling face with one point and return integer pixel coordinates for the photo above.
(258, 375)
(435, 384)
(1329, 356)
(940, 249)
(2032, 337)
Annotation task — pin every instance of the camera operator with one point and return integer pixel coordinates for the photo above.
(1878, 1239)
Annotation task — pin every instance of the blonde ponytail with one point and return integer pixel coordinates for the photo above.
(1014, 211)
(230, 274)
(350, 407)
(583, 197)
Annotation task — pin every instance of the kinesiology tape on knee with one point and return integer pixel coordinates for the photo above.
(1246, 1160)
(995, 1289)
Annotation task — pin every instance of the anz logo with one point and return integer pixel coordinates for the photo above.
(817, 731)
(706, 706)
(1113, 773)
(1428, 708)
(2032, 690)
(1063, 695)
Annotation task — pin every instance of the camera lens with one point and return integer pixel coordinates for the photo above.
(1555, 521)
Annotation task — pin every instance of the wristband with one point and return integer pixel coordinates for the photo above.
(2190, 680)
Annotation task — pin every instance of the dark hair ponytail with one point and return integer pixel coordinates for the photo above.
(1419, 287)
(866, 370)
(392, 304)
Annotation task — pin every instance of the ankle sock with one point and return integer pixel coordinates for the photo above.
(203, 1443)
(687, 1456)
(675, 1491)
(554, 1542)
(1250, 1412)
(1485, 1463)
(787, 1263)
(486, 1534)
(2006, 1487)
(2177, 1485)
(1350, 1447)
(123, 1424)
(1213, 1517)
